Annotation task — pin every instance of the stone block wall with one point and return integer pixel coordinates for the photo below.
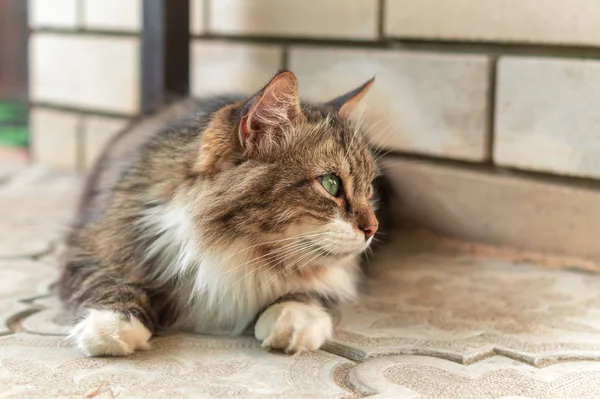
(84, 77)
(513, 83)
(489, 87)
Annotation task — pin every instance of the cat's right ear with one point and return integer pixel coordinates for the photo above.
(345, 104)
(270, 112)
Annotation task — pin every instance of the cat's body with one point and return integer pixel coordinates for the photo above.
(212, 217)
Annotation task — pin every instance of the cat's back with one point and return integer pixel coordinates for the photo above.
(122, 152)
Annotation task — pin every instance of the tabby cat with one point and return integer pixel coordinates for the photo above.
(216, 216)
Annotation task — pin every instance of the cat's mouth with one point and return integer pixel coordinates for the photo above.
(324, 251)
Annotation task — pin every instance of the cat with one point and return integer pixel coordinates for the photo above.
(223, 216)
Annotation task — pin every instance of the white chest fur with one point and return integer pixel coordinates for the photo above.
(225, 295)
(221, 293)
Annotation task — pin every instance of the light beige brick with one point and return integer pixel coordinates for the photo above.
(97, 132)
(53, 14)
(420, 102)
(197, 16)
(497, 209)
(55, 138)
(120, 15)
(530, 21)
(327, 19)
(95, 72)
(220, 67)
(548, 115)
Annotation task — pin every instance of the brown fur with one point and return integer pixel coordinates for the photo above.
(247, 170)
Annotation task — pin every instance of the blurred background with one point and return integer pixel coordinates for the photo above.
(490, 108)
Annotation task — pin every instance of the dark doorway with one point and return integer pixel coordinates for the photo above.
(165, 52)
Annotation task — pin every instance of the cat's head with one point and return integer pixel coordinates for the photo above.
(299, 180)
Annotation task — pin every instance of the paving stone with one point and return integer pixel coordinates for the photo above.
(25, 177)
(466, 308)
(403, 377)
(46, 322)
(177, 367)
(7, 171)
(431, 323)
(49, 319)
(25, 242)
(36, 208)
(9, 310)
(22, 279)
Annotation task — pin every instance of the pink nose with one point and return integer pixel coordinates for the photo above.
(370, 230)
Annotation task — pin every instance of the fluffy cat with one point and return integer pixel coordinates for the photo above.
(219, 216)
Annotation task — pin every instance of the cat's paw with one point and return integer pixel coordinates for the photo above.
(294, 327)
(105, 332)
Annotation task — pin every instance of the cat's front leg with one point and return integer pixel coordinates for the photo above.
(294, 326)
(115, 322)
(104, 332)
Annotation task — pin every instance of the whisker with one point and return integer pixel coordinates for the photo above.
(319, 252)
(291, 266)
(274, 261)
(286, 267)
(274, 255)
(271, 253)
(303, 235)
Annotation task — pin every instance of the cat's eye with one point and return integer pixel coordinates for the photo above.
(331, 183)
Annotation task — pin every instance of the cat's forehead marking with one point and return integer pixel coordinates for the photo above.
(327, 143)
(354, 160)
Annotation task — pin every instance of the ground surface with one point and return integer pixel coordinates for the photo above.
(431, 324)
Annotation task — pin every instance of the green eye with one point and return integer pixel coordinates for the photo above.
(331, 183)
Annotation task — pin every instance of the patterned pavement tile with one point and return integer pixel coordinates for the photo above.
(411, 377)
(466, 308)
(7, 171)
(36, 208)
(9, 310)
(177, 367)
(430, 324)
(49, 320)
(21, 280)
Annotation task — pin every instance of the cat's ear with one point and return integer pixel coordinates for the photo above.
(345, 104)
(271, 110)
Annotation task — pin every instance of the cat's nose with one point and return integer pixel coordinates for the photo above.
(370, 230)
(367, 222)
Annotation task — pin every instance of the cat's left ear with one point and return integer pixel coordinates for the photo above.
(345, 104)
(270, 112)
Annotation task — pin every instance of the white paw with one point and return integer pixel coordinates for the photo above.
(105, 332)
(294, 327)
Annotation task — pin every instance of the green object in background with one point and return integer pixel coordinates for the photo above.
(14, 131)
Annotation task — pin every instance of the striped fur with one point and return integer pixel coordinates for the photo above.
(203, 216)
